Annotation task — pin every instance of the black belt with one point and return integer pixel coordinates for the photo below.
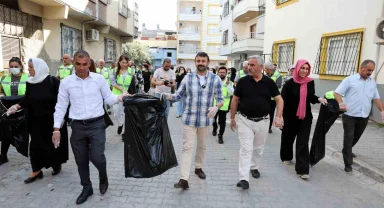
(89, 121)
(254, 119)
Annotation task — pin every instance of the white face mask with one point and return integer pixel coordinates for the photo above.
(15, 71)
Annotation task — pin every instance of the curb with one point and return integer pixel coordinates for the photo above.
(358, 165)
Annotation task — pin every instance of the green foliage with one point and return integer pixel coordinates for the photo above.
(137, 52)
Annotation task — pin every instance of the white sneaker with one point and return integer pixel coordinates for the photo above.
(287, 162)
(304, 177)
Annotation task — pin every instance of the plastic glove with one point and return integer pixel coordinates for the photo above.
(56, 139)
(382, 115)
(212, 111)
(323, 101)
(278, 122)
(166, 95)
(12, 110)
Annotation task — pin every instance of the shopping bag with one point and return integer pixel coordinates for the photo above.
(148, 148)
(327, 117)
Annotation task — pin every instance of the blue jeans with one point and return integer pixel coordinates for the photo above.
(180, 108)
(158, 95)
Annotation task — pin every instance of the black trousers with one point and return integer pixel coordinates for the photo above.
(222, 115)
(272, 113)
(5, 144)
(353, 129)
(300, 129)
(88, 144)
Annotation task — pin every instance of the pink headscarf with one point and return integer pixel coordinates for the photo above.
(303, 87)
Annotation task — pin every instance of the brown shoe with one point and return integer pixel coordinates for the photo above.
(200, 173)
(183, 184)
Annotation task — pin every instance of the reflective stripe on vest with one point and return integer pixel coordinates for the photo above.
(226, 96)
(123, 83)
(6, 84)
(275, 76)
(65, 71)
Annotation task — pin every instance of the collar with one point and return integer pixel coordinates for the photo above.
(361, 78)
(90, 75)
(262, 79)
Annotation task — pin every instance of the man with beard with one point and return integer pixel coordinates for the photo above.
(164, 79)
(359, 90)
(227, 90)
(198, 89)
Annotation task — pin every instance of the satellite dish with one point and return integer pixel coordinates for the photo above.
(380, 30)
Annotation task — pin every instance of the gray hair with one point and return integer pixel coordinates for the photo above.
(259, 59)
(269, 65)
(167, 60)
(245, 63)
(366, 62)
(101, 60)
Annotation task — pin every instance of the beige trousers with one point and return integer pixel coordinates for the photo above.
(189, 136)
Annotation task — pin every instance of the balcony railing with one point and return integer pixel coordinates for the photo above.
(189, 49)
(261, 7)
(193, 30)
(251, 35)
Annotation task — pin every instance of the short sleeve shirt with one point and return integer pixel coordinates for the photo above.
(161, 75)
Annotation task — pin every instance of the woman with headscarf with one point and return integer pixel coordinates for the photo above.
(298, 93)
(39, 103)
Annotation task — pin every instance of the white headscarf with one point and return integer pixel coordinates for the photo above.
(41, 71)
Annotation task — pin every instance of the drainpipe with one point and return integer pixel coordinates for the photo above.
(378, 50)
(88, 21)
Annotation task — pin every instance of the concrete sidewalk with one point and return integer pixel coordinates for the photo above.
(369, 150)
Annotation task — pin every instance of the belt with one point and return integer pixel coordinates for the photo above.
(89, 121)
(254, 119)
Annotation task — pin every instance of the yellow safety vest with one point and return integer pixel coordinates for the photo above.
(123, 83)
(330, 96)
(105, 74)
(226, 96)
(241, 74)
(6, 84)
(65, 71)
(275, 76)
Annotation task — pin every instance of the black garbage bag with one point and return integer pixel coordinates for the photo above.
(148, 148)
(14, 127)
(327, 116)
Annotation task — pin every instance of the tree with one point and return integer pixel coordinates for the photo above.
(137, 52)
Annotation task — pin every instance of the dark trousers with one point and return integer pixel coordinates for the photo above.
(301, 129)
(222, 118)
(353, 129)
(272, 113)
(5, 144)
(88, 144)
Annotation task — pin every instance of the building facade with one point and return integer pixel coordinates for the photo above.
(242, 29)
(198, 30)
(50, 28)
(335, 36)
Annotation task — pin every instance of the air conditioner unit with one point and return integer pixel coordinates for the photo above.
(92, 35)
(379, 34)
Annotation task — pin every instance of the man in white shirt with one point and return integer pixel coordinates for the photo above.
(164, 79)
(86, 92)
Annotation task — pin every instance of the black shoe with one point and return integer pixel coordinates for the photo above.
(56, 170)
(119, 129)
(84, 196)
(255, 173)
(183, 184)
(353, 155)
(103, 186)
(270, 131)
(32, 179)
(221, 139)
(200, 173)
(3, 159)
(243, 184)
(348, 168)
(214, 133)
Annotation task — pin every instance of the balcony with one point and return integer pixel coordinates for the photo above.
(191, 34)
(247, 43)
(190, 17)
(245, 10)
(187, 51)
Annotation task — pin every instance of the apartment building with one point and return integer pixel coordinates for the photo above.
(50, 28)
(198, 30)
(335, 36)
(242, 28)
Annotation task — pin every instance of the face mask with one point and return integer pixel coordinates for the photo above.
(15, 71)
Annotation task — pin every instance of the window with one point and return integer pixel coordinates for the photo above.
(213, 29)
(110, 50)
(283, 3)
(123, 8)
(71, 40)
(11, 48)
(169, 54)
(339, 53)
(261, 7)
(226, 9)
(224, 41)
(213, 48)
(283, 54)
(214, 10)
(252, 30)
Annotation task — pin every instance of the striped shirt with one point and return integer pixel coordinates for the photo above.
(198, 98)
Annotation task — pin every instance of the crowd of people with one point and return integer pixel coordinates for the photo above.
(84, 92)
